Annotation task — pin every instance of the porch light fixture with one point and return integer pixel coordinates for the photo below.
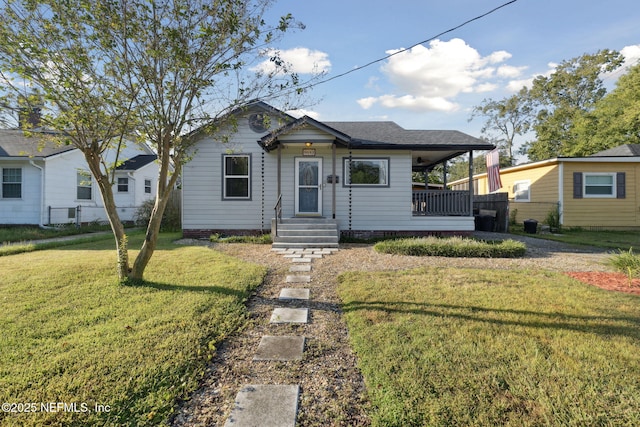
(308, 144)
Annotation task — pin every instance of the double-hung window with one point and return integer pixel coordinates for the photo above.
(11, 183)
(123, 185)
(366, 172)
(521, 191)
(236, 177)
(599, 185)
(83, 191)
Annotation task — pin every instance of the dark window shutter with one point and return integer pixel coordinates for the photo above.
(577, 185)
(620, 185)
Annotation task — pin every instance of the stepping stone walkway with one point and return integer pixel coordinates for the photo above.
(277, 405)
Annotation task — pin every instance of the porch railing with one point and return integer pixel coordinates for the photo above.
(278, 213)
(440, 203)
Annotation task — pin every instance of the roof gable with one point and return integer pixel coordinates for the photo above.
(252, 106)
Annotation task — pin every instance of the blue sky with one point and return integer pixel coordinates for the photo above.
(435, 85)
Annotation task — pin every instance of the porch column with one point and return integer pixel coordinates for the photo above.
(444, 175)
(471, 183)
(279, 169)
(333, 180)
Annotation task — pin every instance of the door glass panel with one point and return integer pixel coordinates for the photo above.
(308, 173)
(308, 186)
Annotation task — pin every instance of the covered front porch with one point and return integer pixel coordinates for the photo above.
(343, 171)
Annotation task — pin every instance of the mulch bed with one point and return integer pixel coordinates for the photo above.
(617, 282)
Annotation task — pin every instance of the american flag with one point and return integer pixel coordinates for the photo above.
(493, 170)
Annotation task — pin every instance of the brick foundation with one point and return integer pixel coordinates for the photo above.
(372, 234)
(202, 233)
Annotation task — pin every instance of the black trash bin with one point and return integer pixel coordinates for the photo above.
(484, 222)
(530, 226)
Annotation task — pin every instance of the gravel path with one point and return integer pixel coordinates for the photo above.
(332, 389)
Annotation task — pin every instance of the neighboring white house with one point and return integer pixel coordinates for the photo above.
(358, 174)
(53, 185)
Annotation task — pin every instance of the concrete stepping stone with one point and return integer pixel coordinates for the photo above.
(289, 315)
(265, 405)
(300, 268)
(294, 293)
(292, 256)
(297, 279)
(303, 259)
(280, 348)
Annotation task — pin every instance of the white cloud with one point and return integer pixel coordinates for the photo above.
(299, 60)
(486, 87)
(631, 55)
(429, 78)
(302, 112)
(516, 85)
(509, 71)
(410, 102)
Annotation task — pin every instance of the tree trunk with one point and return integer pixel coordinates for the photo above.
(151, 238)
(106, 192)
(165, 186)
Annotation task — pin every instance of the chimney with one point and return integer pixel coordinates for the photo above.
(30, 117)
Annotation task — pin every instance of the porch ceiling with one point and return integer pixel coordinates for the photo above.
(423, 159)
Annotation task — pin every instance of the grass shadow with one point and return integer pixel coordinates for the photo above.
(213, 289)
(600, 325)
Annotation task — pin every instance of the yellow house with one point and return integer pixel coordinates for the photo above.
(596, 192)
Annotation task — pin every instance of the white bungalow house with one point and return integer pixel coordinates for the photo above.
(354, 177)
(52, 185)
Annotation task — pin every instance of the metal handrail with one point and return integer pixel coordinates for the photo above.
(278, 209)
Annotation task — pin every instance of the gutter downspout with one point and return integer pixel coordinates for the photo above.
(40, 222)
(561, 192)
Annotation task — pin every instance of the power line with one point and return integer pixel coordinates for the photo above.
(384, 58)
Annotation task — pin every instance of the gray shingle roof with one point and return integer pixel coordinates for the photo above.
(626, 150)
(370, 134)
(137, 162)
(385, 135)
(14, 143)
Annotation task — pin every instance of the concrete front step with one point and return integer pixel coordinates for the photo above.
(303, 244)
(307, 232)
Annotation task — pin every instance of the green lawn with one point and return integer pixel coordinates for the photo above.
(72, 334)
(443, 347)
(24, 233)
(605, 239)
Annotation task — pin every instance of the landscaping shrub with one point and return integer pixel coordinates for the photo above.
(452, 247)
(627, 263)
(263, 239)
(171, 220)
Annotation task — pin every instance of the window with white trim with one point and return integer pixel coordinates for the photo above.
(83, 189)
(147, 186)
(123, 185)
(366, 172)
(11, 183)
(599, 185)
(236, 172)
(521, 191)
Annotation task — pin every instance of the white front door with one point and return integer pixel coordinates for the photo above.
(308, 186)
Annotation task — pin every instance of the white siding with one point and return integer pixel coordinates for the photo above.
(25, 210)
(61, 187)
(203, 206)
(60, 190)
(357, 208)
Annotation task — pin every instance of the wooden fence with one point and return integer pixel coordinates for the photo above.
(498, 202)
